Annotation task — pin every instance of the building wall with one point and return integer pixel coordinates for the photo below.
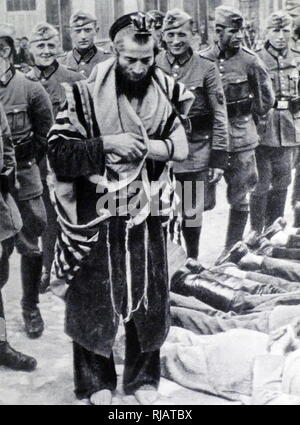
(24, 21)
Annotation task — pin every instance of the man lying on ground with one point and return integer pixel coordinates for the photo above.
(241, 365)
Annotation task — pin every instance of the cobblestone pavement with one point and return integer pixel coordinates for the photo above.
(52, 382)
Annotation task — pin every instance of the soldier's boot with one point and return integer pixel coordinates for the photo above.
(192, 237)
(297, 214)
(31, 270)
(15, 360)
(235, 231)
(236, 226)
(275, 205)
(208, 291)
(258, 207)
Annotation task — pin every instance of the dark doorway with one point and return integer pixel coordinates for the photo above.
(58, 13)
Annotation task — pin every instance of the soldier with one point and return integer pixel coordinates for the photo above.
(279, 129)
(85, 55)
(29, 114)
(44, 46)
(10, 224)
(248, 89)
(208, 140)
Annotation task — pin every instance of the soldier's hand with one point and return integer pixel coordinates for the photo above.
(215, 175)
(128, 146)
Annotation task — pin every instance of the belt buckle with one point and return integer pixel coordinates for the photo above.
(282, 104)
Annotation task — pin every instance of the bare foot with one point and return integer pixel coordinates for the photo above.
(101, 398)
(146, 395)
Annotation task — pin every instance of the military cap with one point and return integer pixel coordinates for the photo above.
(80, 18)
(137, 21)
(7, 30)
(175, 18)
(279, 19)
(229, 17)
(292, 7)
(157, 17)
(43, 31)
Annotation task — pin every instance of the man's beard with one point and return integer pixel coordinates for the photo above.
(131, 89)
(4, 66)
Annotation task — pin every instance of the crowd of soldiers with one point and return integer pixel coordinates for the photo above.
(243, 125)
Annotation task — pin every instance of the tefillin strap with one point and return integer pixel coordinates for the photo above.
(142, 25)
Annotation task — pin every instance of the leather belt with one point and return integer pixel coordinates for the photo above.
(293, 105)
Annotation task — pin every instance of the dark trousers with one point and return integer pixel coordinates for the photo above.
(50, 233)
(93, 372)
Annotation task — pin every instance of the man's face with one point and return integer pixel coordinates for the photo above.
(178, 40)
(5, 51)
(83, 37)
(135, 60)
(45, 51)
(231, 38)
(279, 37)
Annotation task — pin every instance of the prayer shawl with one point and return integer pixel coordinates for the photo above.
(113, 115)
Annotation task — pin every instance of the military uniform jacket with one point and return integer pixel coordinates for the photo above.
(29, 113)
(84, 63)
(52, 78)
(208, 141)
(245, 82)
(281, 125)
(10, 222)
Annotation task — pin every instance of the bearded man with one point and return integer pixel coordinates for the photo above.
(117, 130)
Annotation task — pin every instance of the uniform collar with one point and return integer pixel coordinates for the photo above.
(86, 57)
(276, 53)
(186, 56)
(46, 72)
(224, 54)
(7, 76)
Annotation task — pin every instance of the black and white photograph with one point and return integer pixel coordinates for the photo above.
(149, 205)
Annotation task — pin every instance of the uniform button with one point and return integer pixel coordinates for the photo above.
(221, 60)
(30, 163)
(176, 67)
(246, 119)
(72, 109)
(206, 137)
(82, 63)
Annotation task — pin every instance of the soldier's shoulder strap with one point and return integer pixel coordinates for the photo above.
(69, 68)
(249, 51)
(31, 76)
(103, 51)
(207, 53)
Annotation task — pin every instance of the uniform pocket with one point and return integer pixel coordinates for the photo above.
(17, 117)
(237, 89)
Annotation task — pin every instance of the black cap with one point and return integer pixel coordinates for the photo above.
(138, 21)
